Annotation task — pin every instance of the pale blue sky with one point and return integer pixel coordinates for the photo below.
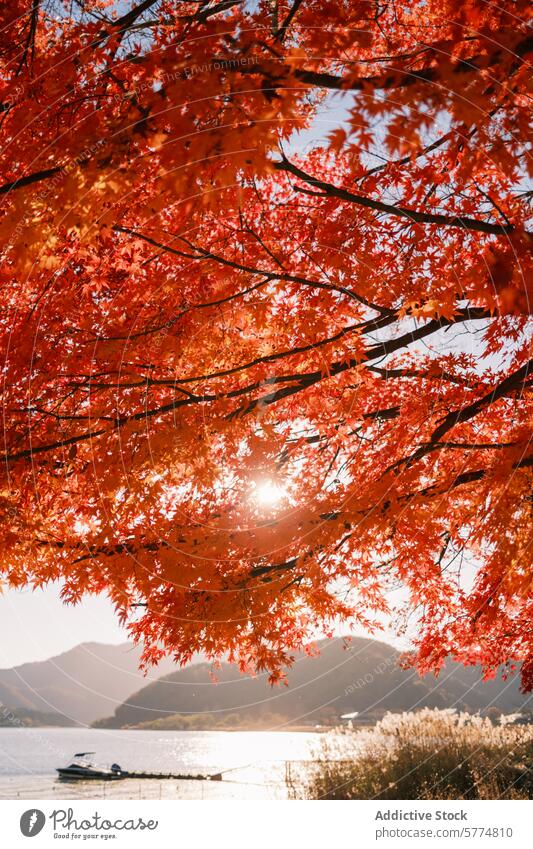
(35, 624)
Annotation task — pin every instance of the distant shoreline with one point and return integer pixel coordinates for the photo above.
(243, 728)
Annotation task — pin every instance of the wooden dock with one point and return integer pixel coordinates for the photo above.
(215, 776)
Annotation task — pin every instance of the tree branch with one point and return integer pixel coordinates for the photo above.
(414, 216)
(282, 31)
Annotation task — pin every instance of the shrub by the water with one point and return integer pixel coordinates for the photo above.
(432, 754)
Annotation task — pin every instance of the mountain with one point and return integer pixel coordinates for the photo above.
(357, 675)
(83, 684)
(24, 718)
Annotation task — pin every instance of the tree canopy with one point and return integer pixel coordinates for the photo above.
(266, 333)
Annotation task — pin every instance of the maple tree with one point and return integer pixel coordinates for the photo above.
(262, 377)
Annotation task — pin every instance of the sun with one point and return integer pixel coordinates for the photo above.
(267, 493)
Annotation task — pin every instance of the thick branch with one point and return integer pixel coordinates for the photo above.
(31, 178)
(394, 77)
(514, 382)
(413, 215)
(382, 349)
(282, 31)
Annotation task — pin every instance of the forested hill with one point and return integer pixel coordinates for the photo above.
(363, 676)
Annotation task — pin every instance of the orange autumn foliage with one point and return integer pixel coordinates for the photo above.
(281, 248)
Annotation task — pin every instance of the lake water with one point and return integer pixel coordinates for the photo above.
(29, 757)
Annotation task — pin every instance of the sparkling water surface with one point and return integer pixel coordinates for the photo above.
(255, 762)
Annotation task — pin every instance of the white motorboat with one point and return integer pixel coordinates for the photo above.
(81, 768)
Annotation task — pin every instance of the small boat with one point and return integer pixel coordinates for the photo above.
(82, 769)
